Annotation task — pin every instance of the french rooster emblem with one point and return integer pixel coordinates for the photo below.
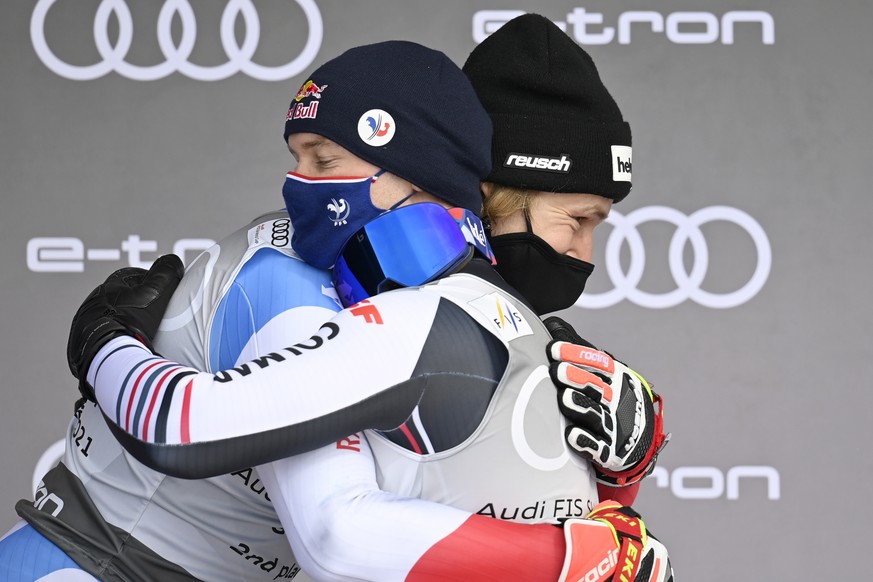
(340, 211)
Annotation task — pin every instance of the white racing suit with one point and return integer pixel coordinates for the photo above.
(121, 520)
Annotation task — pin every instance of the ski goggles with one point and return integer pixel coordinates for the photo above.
(404, 247)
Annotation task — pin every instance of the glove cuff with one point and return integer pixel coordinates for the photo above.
(105, 330)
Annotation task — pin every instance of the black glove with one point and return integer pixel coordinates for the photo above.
(616, 419)
(130, 302)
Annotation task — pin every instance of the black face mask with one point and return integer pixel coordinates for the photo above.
(549, 280)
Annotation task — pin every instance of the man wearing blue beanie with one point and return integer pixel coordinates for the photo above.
(407, 111)
(381, 114)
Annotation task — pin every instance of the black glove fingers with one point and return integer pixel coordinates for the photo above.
(113, 292)
(645, 570)
(561, 330)
(162, 279)
(583, 413)
(584, 444)
(579, 406)
(125, 277)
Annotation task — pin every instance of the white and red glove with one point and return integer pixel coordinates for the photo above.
(612, 543)
(615, 418)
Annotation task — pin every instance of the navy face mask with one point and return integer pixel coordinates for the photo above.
(325, 212)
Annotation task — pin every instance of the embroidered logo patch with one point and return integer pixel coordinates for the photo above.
(542, 163)
(621, 163)
(300, 110)
(504, 315)
(376, 127)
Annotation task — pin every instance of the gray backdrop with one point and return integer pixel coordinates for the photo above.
(739, 280)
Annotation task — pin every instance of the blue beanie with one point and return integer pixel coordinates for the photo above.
(405, 108)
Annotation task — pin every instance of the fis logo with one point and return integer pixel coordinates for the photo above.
(504, 316)
(543, 163)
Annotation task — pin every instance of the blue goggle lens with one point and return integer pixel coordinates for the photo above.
(404, 247)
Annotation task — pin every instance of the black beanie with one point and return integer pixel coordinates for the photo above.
(405, 108)
(556, 127)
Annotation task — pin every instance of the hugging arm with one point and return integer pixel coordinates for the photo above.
(343, 527)
(183, 421)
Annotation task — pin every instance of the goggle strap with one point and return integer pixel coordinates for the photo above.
(473, 231)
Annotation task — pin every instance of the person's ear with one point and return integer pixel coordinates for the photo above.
(487, 188)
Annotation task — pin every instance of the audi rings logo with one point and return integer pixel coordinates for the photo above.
(279, 236)
(239, 55)
(687, 284)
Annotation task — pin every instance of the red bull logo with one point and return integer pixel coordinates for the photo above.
(301, 111)
(309, 89)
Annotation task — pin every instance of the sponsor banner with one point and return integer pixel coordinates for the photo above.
(69, 255)
(134, 129)
(176, 48)
(688, 282)
(589, 27)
